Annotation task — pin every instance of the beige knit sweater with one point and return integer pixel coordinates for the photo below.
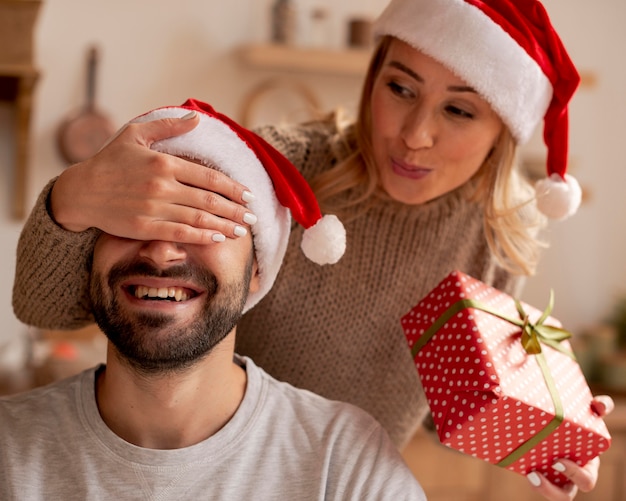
(335, 329)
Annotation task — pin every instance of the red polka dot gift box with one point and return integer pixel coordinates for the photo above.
(501, 380)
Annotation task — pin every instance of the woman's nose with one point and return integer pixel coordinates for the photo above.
(163, 253)
(419, 129)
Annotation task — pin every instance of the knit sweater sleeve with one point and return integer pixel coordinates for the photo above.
(52, 263)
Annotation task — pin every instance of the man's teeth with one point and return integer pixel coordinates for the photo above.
(141, 291)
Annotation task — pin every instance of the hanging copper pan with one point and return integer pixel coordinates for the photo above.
(81, 135)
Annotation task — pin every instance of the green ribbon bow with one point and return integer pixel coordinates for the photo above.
(535, 334)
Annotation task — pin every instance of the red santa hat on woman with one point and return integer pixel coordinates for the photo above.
(279, 189)
(509, 52)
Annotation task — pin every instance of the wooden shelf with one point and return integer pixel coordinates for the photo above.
(347, 62)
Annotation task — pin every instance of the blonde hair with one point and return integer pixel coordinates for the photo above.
(511, 223)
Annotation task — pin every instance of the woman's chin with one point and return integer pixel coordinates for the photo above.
(406, 193)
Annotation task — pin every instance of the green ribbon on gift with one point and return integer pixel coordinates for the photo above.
(533, 335)
(554, 423)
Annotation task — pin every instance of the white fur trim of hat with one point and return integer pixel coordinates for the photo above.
(279, 189)
(509, 52)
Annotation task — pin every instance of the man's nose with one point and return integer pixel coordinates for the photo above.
(163, 253)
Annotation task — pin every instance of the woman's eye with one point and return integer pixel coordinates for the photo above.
(459, 112)
(399, 90)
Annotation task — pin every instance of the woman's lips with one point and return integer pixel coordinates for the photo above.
(409, 170)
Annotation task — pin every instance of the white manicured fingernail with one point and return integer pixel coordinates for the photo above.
(534, 478)
(240, 231)
(247, 196)
(249, 218)
(559, 467)
(218, 237)
(188, 116)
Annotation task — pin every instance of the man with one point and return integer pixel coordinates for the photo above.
(175, 414)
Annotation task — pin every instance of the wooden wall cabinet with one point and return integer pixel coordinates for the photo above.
(18, 77)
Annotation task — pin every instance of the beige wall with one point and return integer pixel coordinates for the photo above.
(156, 53)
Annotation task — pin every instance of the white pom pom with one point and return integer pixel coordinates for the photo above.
(556, 198)
(325, 241)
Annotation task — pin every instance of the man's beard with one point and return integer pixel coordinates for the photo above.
(144, 340)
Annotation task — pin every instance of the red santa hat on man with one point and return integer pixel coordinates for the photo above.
(509, 52)
(219, 142)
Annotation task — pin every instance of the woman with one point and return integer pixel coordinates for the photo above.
(424, 181)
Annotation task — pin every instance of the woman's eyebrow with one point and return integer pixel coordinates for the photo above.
(462, 88)
(399, 66)
(454, 88)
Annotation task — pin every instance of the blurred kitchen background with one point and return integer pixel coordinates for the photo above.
(127, 56)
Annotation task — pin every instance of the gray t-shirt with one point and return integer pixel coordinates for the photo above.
(282, 444)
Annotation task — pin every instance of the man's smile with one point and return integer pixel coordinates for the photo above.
(161, 293)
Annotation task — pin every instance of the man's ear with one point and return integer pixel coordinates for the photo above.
(255, 280)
